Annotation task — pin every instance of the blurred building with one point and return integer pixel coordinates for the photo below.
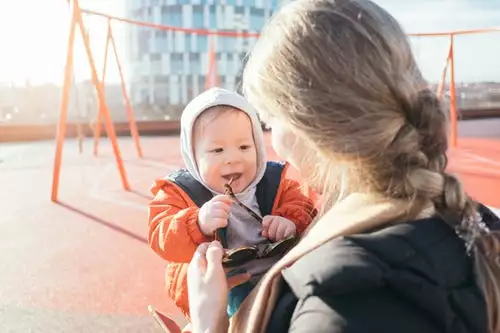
(41, 103)
(168, 68)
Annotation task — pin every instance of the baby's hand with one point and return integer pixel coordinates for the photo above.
(214, 214)
(277, 228)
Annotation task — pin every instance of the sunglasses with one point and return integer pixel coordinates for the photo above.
(241, 255)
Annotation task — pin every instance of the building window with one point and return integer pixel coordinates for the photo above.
(164, 15)
(160, 34)
(213, 17)
(187, 42)
(227, 43)
(179, 41)
(175, 94)
(161, 96)
(161, 79)
(144, 96)
(176, 63)
(155, 56)
(201, 82)
(190, 93)
(162, 45)
(195, 63)
(190, 79)
(171, 15)
(257, 19)
(144, 36)
(137, 14)
(239, 10)
(198, 17)
(222, 81)
(161, 41)
(230, 64)
(202, 43)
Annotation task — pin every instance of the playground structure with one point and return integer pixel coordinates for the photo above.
(84, 262)
(77, 22)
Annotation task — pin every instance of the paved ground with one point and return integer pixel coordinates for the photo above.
(84, 265)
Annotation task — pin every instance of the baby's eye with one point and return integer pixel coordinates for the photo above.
(245, 147)
(216, 150)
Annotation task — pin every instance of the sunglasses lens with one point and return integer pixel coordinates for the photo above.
(238, 257)
(280, 248)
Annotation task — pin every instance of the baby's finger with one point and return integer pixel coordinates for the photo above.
(219, 222)
(220, 206)
(266, 221)
(222, 199)
(265, 227)
(273, 228)
(280, 231)
(219, 214)
(290, 231)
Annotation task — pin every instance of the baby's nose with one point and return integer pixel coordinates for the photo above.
(233, 158)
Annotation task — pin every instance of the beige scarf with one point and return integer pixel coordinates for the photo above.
(354, 214)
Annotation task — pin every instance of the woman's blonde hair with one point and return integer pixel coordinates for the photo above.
(342, 75)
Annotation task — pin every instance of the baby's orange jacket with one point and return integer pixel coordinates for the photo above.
(174, 233)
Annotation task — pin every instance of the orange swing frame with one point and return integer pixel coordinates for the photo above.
(211, 80)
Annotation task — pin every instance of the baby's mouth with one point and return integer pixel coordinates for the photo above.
(232, 176)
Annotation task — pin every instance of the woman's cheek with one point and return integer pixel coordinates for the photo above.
(286, 144)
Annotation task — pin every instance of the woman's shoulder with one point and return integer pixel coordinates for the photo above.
(417, 262)
(428, 248)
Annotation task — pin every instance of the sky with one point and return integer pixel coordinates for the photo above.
(33, 35)
(477, 57)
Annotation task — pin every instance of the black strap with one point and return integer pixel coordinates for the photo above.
(267, 188)
(193, 188)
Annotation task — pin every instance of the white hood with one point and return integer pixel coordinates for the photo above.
(204, 101)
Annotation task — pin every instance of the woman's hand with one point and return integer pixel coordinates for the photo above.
(208, 288)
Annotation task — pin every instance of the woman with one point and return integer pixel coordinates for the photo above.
(399, 247)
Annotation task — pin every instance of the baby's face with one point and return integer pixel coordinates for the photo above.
(224, 148)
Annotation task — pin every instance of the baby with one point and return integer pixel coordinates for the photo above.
(222, 143)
